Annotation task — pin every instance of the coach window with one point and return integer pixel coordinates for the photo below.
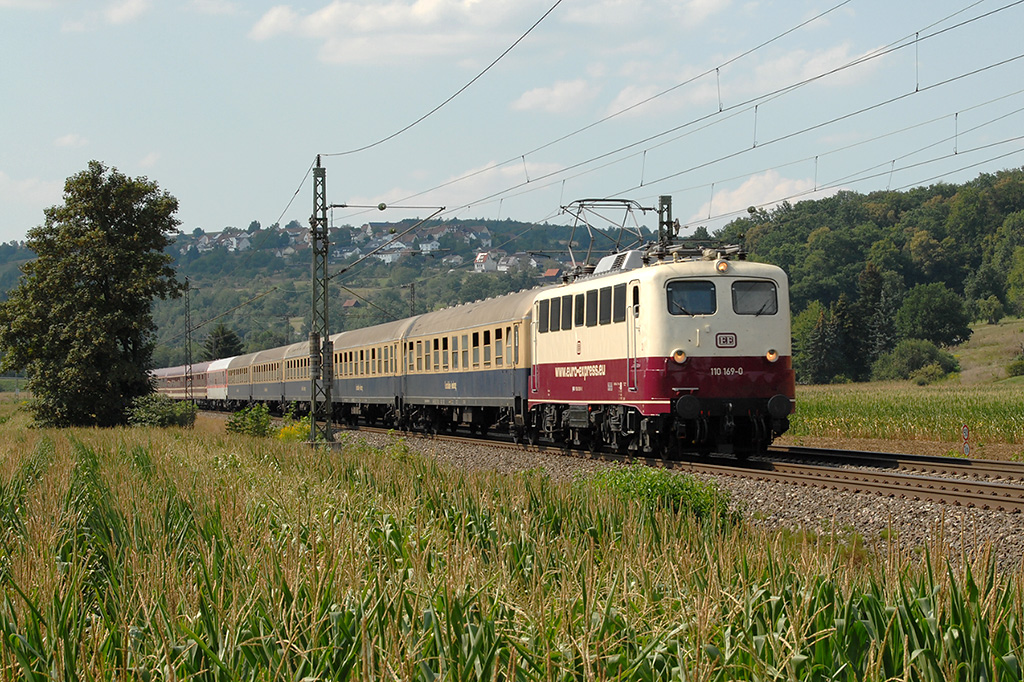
(437, 354)
(476, 349)
(497, 348)
(581, 306)
(487, 348)
(362, 362)
(455, 352)
(605, 305)
(465, 351)
(508, 344)
(691, 297)
(542, 316)
(419, 356)
(556, 315)
(592, 308)
(754, 298)
(444, 353)
(567, 312)
(619, 303)
(373, 361)
(387, 360)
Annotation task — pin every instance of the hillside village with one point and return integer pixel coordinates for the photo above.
(454, 244)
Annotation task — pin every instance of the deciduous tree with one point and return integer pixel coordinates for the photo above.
(79, 320)
(935, 313)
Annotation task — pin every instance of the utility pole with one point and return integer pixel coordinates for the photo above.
(321, 352)
(412, 297)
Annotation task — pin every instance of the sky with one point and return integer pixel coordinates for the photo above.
(721, 104)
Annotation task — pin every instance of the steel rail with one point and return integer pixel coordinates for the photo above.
(930, 464)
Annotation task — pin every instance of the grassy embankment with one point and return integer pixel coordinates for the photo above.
(147, 554)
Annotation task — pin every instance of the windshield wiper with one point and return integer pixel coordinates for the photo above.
(683, 310)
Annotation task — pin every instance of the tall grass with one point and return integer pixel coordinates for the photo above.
(139, 554)
(994, 414)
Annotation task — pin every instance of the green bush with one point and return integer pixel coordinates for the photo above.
(159, 410)
(660, 489)
(253, 421)
(1015, 368)
(909, 357)
(927, 375)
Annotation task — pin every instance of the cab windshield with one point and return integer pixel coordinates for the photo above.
(754, 298)
(692, 297)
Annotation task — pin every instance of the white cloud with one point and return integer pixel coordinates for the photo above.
(561, 97)
(70, 140)
(686, 15)
(387, 31)
(481, 181)
(31, 192)
(125, 11)
(279, 19)
(216, 6)
(149, 160)
(765, 190)
(27, 4)
(696, 12)
(800, 65)
(117, 12)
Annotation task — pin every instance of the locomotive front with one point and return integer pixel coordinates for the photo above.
(720, 349)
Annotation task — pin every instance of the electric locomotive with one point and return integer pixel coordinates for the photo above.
(664, 350)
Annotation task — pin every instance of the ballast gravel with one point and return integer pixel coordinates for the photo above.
(884, 524)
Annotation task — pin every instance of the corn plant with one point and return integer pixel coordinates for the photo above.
(198, 555)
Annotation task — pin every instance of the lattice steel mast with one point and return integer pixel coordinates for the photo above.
(321, 353)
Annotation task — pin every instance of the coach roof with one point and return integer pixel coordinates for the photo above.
(481, 313)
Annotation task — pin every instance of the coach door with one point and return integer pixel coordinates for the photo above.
(533, 348)
(632, 335)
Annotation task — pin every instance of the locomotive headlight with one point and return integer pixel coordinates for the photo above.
(679, 356)
(772, 355)
(722, 266)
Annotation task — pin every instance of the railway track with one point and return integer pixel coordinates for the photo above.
(926, 464)
(980, 484)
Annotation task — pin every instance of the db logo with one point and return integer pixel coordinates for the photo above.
(725, 340)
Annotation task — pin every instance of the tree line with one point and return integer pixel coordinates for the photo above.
(871, 271)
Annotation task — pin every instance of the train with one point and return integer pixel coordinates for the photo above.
(653, 350)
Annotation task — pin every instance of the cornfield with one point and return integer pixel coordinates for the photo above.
(993, 414)
(142, 554)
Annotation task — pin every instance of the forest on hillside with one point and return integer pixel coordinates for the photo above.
(869, 272)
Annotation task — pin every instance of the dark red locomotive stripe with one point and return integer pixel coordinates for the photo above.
(656, 381)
